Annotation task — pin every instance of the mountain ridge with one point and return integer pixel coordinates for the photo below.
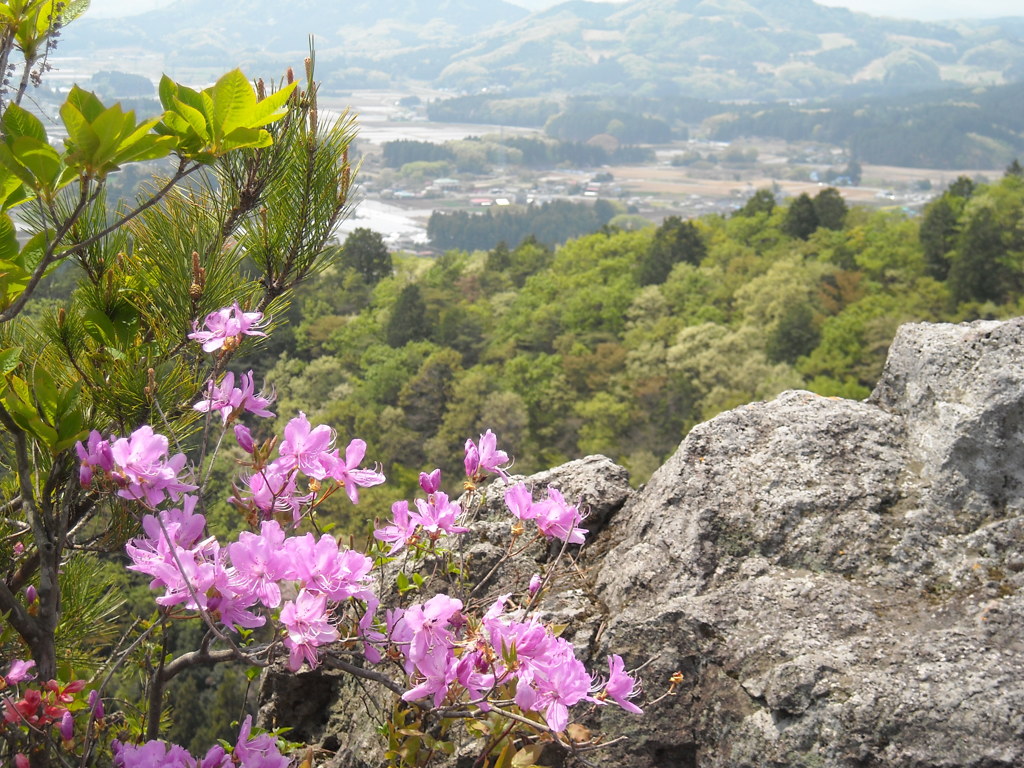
(721, 49)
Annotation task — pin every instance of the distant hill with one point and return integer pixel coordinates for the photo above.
(266, 30)
(737, 49)
(759, 50)
(943, 128)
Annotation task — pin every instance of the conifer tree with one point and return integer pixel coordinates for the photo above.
(408, 320)
(801, 217)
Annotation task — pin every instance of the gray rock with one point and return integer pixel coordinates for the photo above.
(838, 582)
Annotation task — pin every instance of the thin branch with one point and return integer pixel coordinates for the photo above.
(19, 304)
(332, 661)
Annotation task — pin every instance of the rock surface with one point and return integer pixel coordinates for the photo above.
(839, 582)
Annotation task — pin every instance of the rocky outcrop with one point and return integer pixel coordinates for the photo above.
(839, 582)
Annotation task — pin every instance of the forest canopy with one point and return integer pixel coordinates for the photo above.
(619, 342)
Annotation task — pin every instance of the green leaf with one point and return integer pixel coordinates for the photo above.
(12, 165)
(168, 92)
(82, 139)
(45, 392)
(9, 360)
(269, 110)
(40, 158)
(192, 118)
(33, 252)
(17, 402)
(20, 122)
(111, 126)
(402, 581)
(234, 103)
(8, 239)
(245, 137)
(11, 190)
(99, 326)
(86, 102)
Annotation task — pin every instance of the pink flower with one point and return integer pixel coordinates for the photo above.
(486, 457)
(438, 515)
(67, 727)
(430, 625)
(273, 489)
(535, 584)
(307, 448)
(96, 454)
(402, 531)
(244, 438)
(19, 672)
(225, 328)
(140, 467)
(305, 620)
(620, 687)
(348, 473)
(439, 670)
(323, 569)
(472, 460)
(231, 401)
(372, 638)
(556, 519)
(96, 705)
(520, 502)
(257, 751)
(259, 562)
(152, 754)
(430, 483)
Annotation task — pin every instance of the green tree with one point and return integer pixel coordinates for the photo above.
(801, 217)
(365, 252)
(938, 234)
(762, 201)
(976, 272)
(830, 209)
(408, 321)
(674, 241)
(270, 182)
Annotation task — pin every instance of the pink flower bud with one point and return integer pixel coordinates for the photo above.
(472, 461)
(31, 596)
(21, 760)
(535, 582)
(244, 438)
(67, 726)
(430, 483)
(96, 705)
(19, 549)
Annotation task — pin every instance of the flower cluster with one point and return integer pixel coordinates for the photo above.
(249, 752)
(318, 593)
(231, 401)
(40, 707)
(136, 466)
(225, 328)
(231, 583)
(308, 450)
(485, 458)
(555, 518)
(448, 655)
(433, 516)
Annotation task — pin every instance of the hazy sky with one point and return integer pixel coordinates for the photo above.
(912, 9)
